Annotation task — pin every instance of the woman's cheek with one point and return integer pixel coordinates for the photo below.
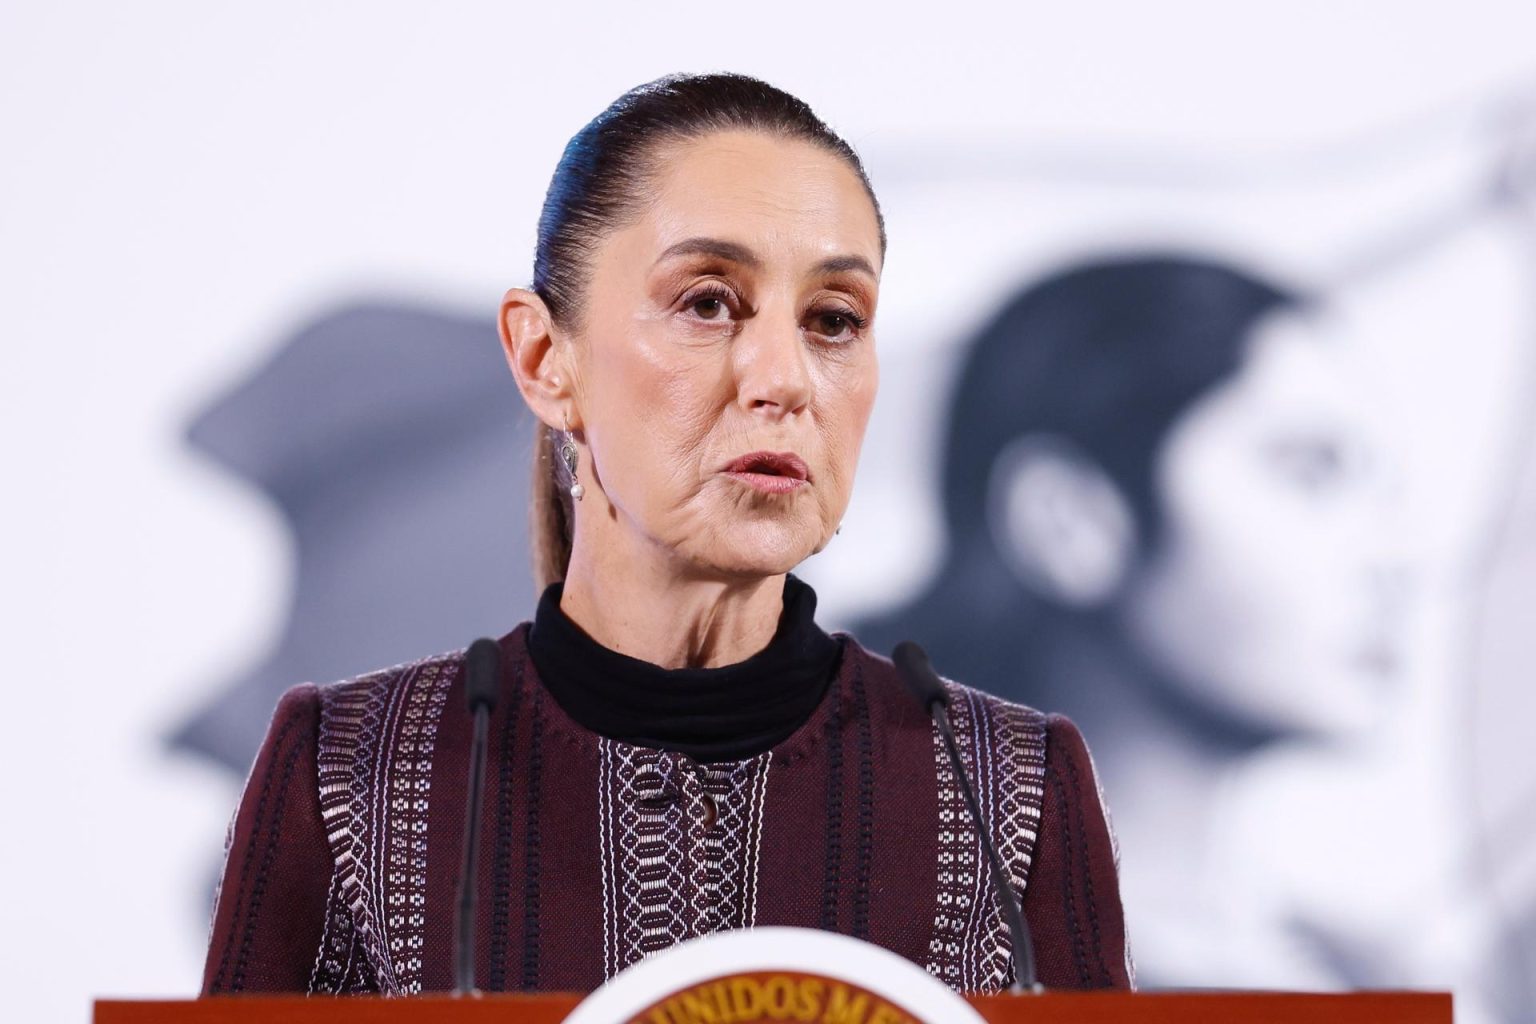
(852, 400)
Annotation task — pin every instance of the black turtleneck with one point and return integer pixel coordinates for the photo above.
(709, 714)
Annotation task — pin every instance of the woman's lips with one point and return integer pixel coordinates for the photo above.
(770, 472)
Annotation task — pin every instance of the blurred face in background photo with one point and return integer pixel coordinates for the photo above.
(734, 315)
(1272, 597)
(1267, 599)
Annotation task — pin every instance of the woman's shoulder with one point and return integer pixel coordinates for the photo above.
(363, 718)
(1045, 746)
(383, 683)
(964, 699)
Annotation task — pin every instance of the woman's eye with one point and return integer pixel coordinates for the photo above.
(1312, 464)
(836, 326)
(710, 306)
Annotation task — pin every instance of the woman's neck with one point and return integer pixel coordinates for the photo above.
(653, 613)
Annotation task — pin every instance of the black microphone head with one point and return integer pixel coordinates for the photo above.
(482, 674)
(917, 672)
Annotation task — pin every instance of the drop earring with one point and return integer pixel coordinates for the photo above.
(568, 456)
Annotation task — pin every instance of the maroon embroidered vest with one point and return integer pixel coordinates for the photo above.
(597, 853)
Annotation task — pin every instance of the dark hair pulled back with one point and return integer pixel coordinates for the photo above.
(603, 178)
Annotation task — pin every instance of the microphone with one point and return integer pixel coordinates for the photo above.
(916, 671)
(482, 678)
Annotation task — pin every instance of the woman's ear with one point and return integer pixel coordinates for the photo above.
(1059, 521)
(540, 365)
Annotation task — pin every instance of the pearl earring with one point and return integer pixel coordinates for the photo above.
(568, 456)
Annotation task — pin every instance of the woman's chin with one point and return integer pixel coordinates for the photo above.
(756, 550)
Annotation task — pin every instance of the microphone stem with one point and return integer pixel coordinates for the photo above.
(1023, 947)
(465, 968)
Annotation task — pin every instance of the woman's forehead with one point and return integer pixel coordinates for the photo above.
(776, 198)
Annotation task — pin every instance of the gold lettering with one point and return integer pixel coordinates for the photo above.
(778, 993)
(845, 1008)
(808, 999)
(672, 1012)
(746, 998)
(697, 1011)
(722, 997)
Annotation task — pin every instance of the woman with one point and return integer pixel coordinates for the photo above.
(1121, 432)
(677, 747)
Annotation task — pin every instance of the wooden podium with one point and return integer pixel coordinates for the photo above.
(1051, 1008)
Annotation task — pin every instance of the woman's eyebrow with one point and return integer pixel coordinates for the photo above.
(841, 264)
(733, 252)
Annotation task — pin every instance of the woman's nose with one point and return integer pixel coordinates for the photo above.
(772, 375)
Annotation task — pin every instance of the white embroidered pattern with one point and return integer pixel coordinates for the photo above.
(377, 734)
(673, 868)
(1002, 746)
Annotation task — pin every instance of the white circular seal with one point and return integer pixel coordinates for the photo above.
(774, 974)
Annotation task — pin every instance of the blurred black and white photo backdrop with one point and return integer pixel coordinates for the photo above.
(1207, 416)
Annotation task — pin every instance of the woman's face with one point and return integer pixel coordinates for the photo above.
(1274, 597)
(725, 367)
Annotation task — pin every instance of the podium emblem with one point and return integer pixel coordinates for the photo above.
(774, 975)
